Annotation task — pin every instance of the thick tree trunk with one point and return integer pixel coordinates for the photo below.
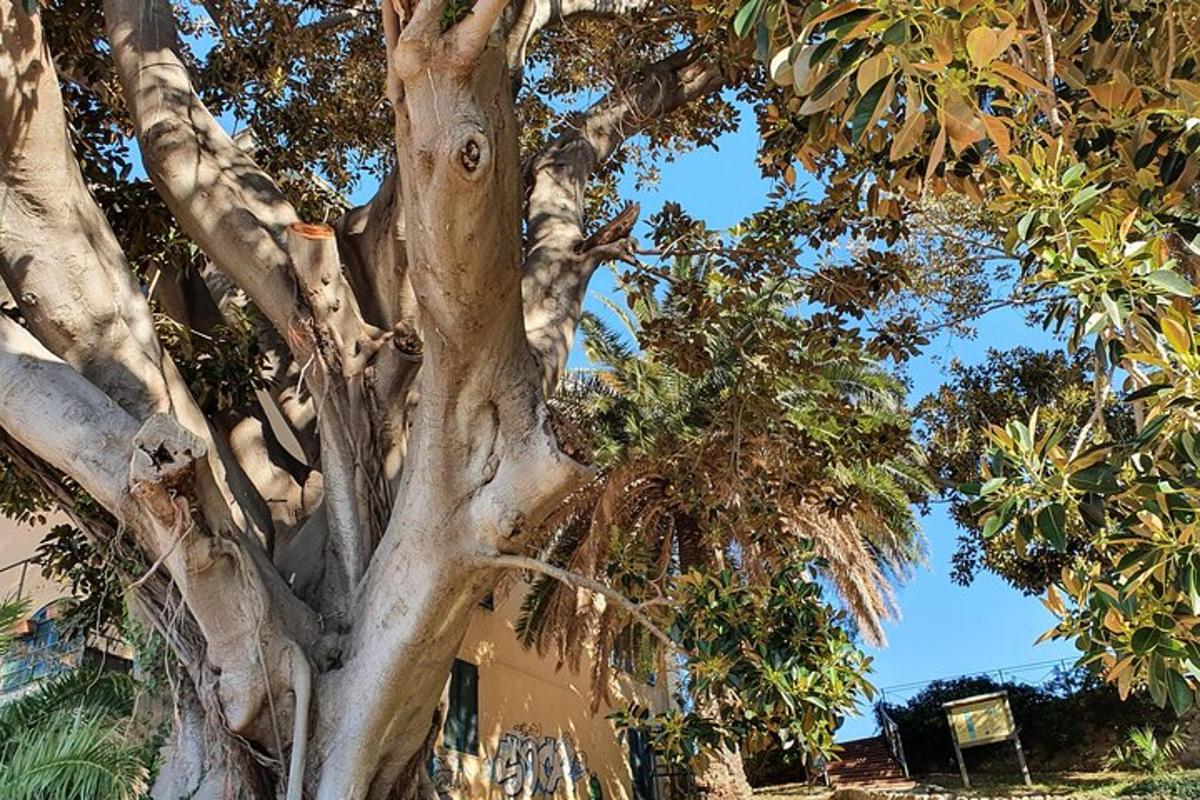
(201, 761)
(317, 667)
(721, 775)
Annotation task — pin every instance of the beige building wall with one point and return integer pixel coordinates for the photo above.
(17, 544)
(538, 735)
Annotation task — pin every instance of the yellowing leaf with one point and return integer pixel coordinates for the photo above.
(997, 131)
(1119, 669)
(1019, 76)
(909, 136)
(805, 76)
(983, 45)
(1054, 602)
(872, 70)
(935, 154)
(780, 69)
(1176, 334)
(814, 105)
(963, 124)
(1119, 94)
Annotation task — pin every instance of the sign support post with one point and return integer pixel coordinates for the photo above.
(962, 765)
(1021, 757)
(983, 719)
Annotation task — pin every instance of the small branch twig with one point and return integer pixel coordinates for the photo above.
(1102, 383)
(1051, 69)
(637, 611)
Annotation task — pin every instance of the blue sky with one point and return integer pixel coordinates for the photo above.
(946, 629)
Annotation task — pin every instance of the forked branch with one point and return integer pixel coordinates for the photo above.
(560, 258)
(636, 610)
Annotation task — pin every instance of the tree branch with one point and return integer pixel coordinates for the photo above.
(636, 610)
(62, 262)
(145, 475)
(220, 197)
(243, 222)
(558, 268)
(1051, 69)
(340, 18)
(536, 15)
(58, 255)
(371, 244)
(61, 417)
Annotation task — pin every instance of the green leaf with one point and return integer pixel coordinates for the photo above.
(1114, 310)
(746, 17)
(1072, 175)
(1145, 640)
(1192, 585)
(1024, 223)
(1150, 430)
(1052, 525)
(865, 108)
(1146, 391)
(1097, 478)
(990, 486)
(992, 526)
(1181, 692)
(1170, 281)
(1086, 195)
(1158, 682)
(897, 33)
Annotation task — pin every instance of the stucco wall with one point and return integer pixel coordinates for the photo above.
(538, 736)
(17, 543)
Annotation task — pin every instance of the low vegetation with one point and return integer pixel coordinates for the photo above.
(1146, 752)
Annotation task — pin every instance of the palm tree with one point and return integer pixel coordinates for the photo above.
(736, 454)
(69, 738)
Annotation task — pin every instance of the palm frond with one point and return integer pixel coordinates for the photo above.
(11, 612)
(856, 576)
(108, 694)
(72, 755)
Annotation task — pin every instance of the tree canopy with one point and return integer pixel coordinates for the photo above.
(306, 450)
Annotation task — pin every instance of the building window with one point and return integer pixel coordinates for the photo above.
(461, 731)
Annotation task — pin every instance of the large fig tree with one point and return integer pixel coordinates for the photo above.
(315, 604)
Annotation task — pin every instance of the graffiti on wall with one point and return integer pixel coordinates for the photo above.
(528, 764)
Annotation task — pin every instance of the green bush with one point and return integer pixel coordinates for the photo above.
(1145, 752)
(1180, 785)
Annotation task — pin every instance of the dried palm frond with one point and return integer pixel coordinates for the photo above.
(850, 566)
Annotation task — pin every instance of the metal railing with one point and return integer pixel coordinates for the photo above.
(891, 732)
(22, 565)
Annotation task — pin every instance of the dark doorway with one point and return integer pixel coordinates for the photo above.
(641, 764)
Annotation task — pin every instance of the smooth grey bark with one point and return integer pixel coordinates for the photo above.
(423, 335)
(561, 257)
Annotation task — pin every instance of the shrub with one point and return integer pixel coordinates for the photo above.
(1143, 752)
(1180, 785)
